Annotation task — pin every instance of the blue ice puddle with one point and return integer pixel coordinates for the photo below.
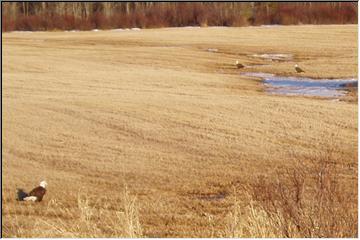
(305, 86)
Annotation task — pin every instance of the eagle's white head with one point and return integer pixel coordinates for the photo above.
(43, 184)
(296, 65)
(237, 62)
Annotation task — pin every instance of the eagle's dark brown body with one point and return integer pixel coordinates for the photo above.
(38, 192)
(298, 69)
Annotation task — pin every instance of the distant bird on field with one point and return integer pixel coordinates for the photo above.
(239, 65)
(298, 69)
(36, 195)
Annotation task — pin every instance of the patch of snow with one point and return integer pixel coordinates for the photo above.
(117, 30)
(217, 27)
(304, 86)
(274, 56)
(95, 30)
(22, 31)
(191, 27)
(212, 50)
(135, 29)
(271, 25)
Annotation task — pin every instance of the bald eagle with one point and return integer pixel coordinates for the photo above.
(35, 195)
(298, 69)
(239, 65)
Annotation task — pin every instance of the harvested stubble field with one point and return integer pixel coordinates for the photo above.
(147, 133)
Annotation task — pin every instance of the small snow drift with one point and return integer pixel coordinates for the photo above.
(124, 29)
(212, 50)
(22, 31)
(274, 56)
(117, 30)
(271, 25)
(35, 195)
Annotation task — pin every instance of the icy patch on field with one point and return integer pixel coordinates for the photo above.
(305, 86)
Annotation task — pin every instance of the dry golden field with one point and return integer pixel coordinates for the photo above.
(146, 133)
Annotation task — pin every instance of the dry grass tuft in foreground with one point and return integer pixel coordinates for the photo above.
(88, 221)
(307, 200)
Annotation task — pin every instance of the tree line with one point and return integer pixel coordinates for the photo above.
(42, 16)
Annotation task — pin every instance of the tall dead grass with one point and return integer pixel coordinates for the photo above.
(90, 218)
(310, 199)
